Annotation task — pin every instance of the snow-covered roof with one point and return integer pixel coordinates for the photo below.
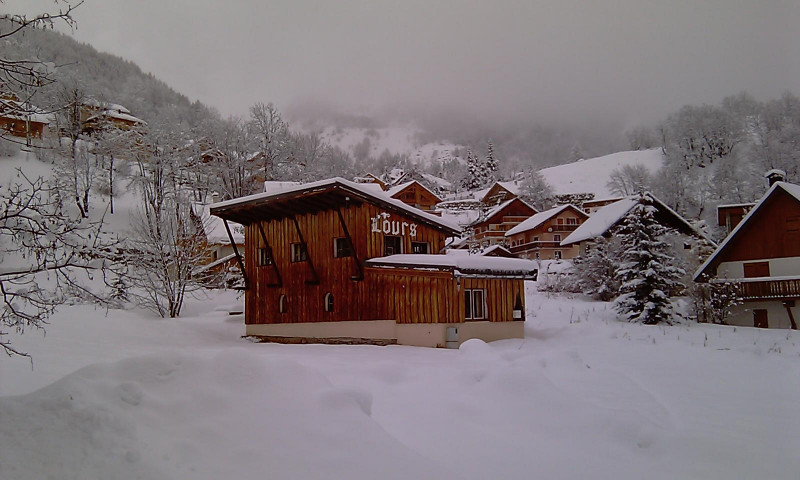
(117, 115)
(736, 205)
(463, 264)
(277, 186)
(496, 248)
(600, 221)
(367, 191)
(540, 218)
(606, 217)
(790, 188)
(214, 227)
(19, 111)
(438, 181)
(399, 188)
(494, 211)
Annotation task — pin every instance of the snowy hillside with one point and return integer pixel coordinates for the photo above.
(592, 175)
(583, 396)
(397, 140)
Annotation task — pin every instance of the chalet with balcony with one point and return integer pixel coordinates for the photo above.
(96, 116)
(539, 237)
(761, 257)
(336, 262)
(415, 194)
(490, 229)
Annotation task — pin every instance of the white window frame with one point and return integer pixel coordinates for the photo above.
(282, 303)
(327, 302)
(557, 255)
(427, 246)
(469, 294)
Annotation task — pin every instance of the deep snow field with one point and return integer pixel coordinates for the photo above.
(121, 395)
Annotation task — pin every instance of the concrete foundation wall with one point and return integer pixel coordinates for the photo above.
(777, 317)
(416, 334)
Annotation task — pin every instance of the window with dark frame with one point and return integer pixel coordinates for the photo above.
(474, 304)
(556, 238)
(299, 252)
(419, 247)
(557, 254)
(264, 258)
(392, 245)
(341, 248)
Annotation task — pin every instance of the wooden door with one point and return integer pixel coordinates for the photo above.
(756, 269)
(760, 319)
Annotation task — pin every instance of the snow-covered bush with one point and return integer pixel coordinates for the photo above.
(714, 302)
(647, 272)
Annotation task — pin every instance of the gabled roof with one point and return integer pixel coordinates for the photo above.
(510, 187)
(318, 196)
(496, 210)
(399, 188)
(790, 188)
(606, 217)
(541, 217)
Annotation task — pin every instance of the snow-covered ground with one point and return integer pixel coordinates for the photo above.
(592, 174)
(121, 395)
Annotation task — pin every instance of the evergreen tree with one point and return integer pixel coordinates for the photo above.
(490, 167)
(536, 191)
(595, 272)
(473, 180)
(647, 273)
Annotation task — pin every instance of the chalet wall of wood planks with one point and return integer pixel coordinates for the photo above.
(340, 262)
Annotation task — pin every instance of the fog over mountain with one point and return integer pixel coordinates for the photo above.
(629, 61)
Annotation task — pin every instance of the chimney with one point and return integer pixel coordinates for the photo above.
(215, 197)
(775, 175)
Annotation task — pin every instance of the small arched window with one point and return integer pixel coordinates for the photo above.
(282, 304)
(328, 302)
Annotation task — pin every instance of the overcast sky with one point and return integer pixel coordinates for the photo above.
(632, 60)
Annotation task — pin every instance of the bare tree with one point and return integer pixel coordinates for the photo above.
(272, 133)
(629, 179)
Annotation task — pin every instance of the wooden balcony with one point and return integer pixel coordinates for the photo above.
(563, 228)
(768, 289)
(524, 247)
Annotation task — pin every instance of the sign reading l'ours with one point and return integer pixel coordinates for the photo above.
(382, 224)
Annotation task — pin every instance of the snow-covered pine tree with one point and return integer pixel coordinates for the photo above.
(490, 167)
(595, 272)
(473, 180)
(647, 273)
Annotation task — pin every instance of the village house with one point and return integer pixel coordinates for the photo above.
(371, 178)
(415, 194)
(729, 215)
(21, 120)
(761, 258)
(97, 115)
(491, 228)
(591, 206)
(500, 192)
(333, 261)
(539, 237)
(604, 220)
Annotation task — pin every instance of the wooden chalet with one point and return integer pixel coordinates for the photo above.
(95, 116)
(415, 194)
(591, 206)
(500, 192)
(491, 228)
(539, 237)
(604, 220)
(335, 262)
(730, 215)
(20, 120)
(371, 178)
(761, 257)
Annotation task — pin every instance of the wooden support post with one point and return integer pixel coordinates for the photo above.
(788, 305)
(236, 252)
(279, 281)
(360, 275)
(315, 278)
